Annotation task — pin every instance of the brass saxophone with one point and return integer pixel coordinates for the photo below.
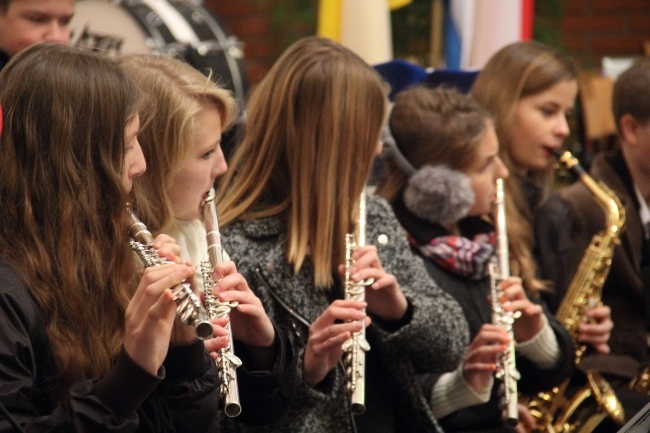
(189, 308)
(356, 346)
(506, 369)
(227, 363)
(553, 411)
(641, 383)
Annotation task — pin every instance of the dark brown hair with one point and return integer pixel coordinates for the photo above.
(433, 126)
(631, 93)
(62, 198)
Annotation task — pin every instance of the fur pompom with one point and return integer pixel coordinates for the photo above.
(439, 194)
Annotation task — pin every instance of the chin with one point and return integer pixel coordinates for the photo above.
(540, 164)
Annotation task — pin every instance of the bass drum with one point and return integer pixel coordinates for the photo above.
(177, 28)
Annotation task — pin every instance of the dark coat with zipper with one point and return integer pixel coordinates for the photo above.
(473, 295)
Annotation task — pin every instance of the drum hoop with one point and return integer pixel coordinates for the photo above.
(182, 31)
(235, 71)
(143, 14)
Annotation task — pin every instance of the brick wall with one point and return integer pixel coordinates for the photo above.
(592, 29)
(250, 22)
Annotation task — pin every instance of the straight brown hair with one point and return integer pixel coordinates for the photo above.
(312, 130)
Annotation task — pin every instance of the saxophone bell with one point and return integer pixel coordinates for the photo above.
(584, 410)
(641, 383)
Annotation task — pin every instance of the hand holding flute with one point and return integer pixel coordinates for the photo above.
(227, 291)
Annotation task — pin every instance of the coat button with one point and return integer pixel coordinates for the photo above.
(382, 239)
(270, 267)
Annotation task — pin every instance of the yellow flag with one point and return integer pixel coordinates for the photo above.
(361, 25)
(329, 19)
(396, 4)
(329, 16)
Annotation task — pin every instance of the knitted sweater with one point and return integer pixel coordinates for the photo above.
(432, 338)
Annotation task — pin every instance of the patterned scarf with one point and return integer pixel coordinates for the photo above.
(462, 256)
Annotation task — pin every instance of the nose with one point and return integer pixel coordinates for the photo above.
(562, 127)
(502, 170)
(58, 32)
(220, 165)
(139, 164)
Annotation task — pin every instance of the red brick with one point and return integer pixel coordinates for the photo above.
(231, 7)
(620, 5)
(256, 71)
(575, 42)
(592, 23)
(639, 24)
(258, 49)
(617, 45)
(574, 7)
(254, 25)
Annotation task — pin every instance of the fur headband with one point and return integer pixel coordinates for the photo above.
(437, 194)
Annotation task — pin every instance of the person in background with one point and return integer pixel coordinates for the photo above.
(626, 172)
(531, 123)
(288, 201)
(442, 164)
(89, 343)
(182, 146)
(27, 22)
(530, 89)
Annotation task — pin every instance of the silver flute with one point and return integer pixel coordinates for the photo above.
(506, 369)
(188, 306)
(356, 346)
(227, 363)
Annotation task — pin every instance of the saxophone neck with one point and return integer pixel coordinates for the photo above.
(606, 198)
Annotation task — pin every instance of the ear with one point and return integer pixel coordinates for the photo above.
(629, 129)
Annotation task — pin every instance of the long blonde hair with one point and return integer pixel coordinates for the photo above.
(313, 127)
(178, 93)
(516, 71)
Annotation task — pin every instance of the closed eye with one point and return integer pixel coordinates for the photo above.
(207, 155)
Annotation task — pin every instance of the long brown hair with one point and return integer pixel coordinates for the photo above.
(516, 71)
(313, 126)
(178, 92)
(62, 198)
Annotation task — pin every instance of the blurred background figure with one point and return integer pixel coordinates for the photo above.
(626, 171)
(441, 175)
(27, 22)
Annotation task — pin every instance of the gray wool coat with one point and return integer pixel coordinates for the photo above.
(433, 339)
